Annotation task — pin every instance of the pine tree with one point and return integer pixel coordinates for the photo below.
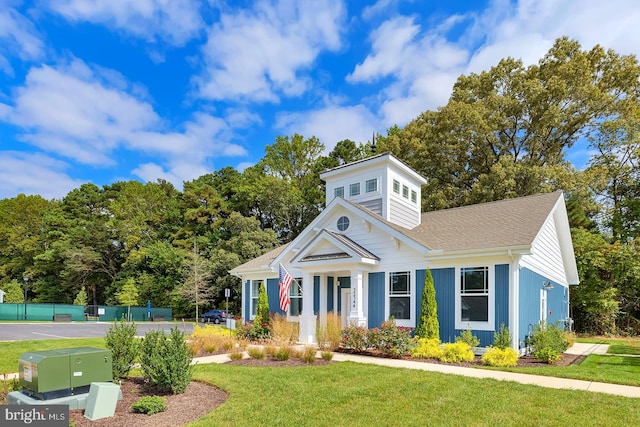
(81, 298)
(262, 312)
(428, 326)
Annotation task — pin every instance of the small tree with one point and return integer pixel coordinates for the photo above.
(128, 295)
(81, 298)
(262, 318)
(14, 292)
(428, 325)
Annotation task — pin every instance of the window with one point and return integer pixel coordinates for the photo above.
(338, 192)
(343, 223)
(405, 191)
(396, 186)
(295, 309)
(255, 290)
(400, 295)
(371, 185)
(474, 294)
(414, 196)
(354, 189)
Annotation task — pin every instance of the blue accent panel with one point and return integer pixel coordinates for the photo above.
(316, 294)
(247, 301)
(501, 297)
(444, 282)
(529, 304)
(273, 296)
(343, 283)
(330, 293)
(376, 300)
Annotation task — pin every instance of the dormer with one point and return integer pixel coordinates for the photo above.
(383, 184)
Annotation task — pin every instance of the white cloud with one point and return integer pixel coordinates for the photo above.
(174, 21)
(34, 174)
(18, 37)
(259, 54)
(331, 124)
(74, 112)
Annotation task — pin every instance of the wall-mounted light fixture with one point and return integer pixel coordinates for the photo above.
(547, 286)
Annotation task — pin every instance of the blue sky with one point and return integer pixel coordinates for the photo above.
(101, 91)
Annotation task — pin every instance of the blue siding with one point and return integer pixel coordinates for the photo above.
(273, 296)
(316, 294)
(529, 304)
(330, 293)
(247, 301)
(444, 283)
(501, 297)
(376, 300)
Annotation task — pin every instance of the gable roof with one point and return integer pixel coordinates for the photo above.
(346, 248)
(500, 224)
(511, 223)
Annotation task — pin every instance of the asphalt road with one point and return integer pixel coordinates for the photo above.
(19, 331)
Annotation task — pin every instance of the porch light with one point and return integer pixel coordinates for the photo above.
(547, 286)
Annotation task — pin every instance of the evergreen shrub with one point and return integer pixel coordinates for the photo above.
(427, 348)
(469, 338)
(500, 357)
(150, 405)
(457, 352)
(166, 360)
(125, 347)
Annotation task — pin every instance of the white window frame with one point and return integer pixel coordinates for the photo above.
(338, 192)
(295, 293)
(388, 295)
(253, 308)
(405, 191)
(354, 189)
(371, 185)
(414, 196)
(489, 325)
(396, 186)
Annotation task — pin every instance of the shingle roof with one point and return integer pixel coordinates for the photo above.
(262, 261)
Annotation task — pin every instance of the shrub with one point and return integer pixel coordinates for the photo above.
(262, 311)
(253, 331)
(548, 342)
(150, 405)
(283, 332)
(457, 352)
(502, 338)
(256, 353)
(329, 336)
(308, 354)
(236, 354)
(569, 338)
(428, 325)
(282, 353)
(166, 360)
(390, 339)
(501, 357)
(354, 337)
(125, 347)
(427, 349)
(467, 337)
(326, 355)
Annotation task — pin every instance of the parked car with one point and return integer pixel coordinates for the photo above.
(215, 316)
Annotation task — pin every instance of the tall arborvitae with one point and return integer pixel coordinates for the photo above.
(428, 326)
(262, 312)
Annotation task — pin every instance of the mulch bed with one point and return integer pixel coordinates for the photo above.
(197, 400)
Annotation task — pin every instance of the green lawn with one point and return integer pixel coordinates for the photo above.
(617, 345)
(348, 393)
(12, 350)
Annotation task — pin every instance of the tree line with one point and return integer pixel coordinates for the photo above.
(505, 132)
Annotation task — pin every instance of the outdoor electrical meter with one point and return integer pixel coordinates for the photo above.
(57, 373)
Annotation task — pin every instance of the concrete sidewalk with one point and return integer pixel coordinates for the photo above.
(539, 380)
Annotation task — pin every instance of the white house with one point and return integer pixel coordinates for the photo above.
(366, 255)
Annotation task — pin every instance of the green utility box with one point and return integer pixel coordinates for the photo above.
(57, 373)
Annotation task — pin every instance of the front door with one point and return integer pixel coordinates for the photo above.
(345, 306)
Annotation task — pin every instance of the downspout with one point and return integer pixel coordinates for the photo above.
(514, 297)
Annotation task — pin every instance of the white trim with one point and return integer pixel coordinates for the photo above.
(489, 325)
(411, 322)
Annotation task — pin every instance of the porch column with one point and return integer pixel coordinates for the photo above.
(322, 312)
(356, 313)
(307, 318)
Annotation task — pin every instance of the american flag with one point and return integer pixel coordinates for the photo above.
(285, 280)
